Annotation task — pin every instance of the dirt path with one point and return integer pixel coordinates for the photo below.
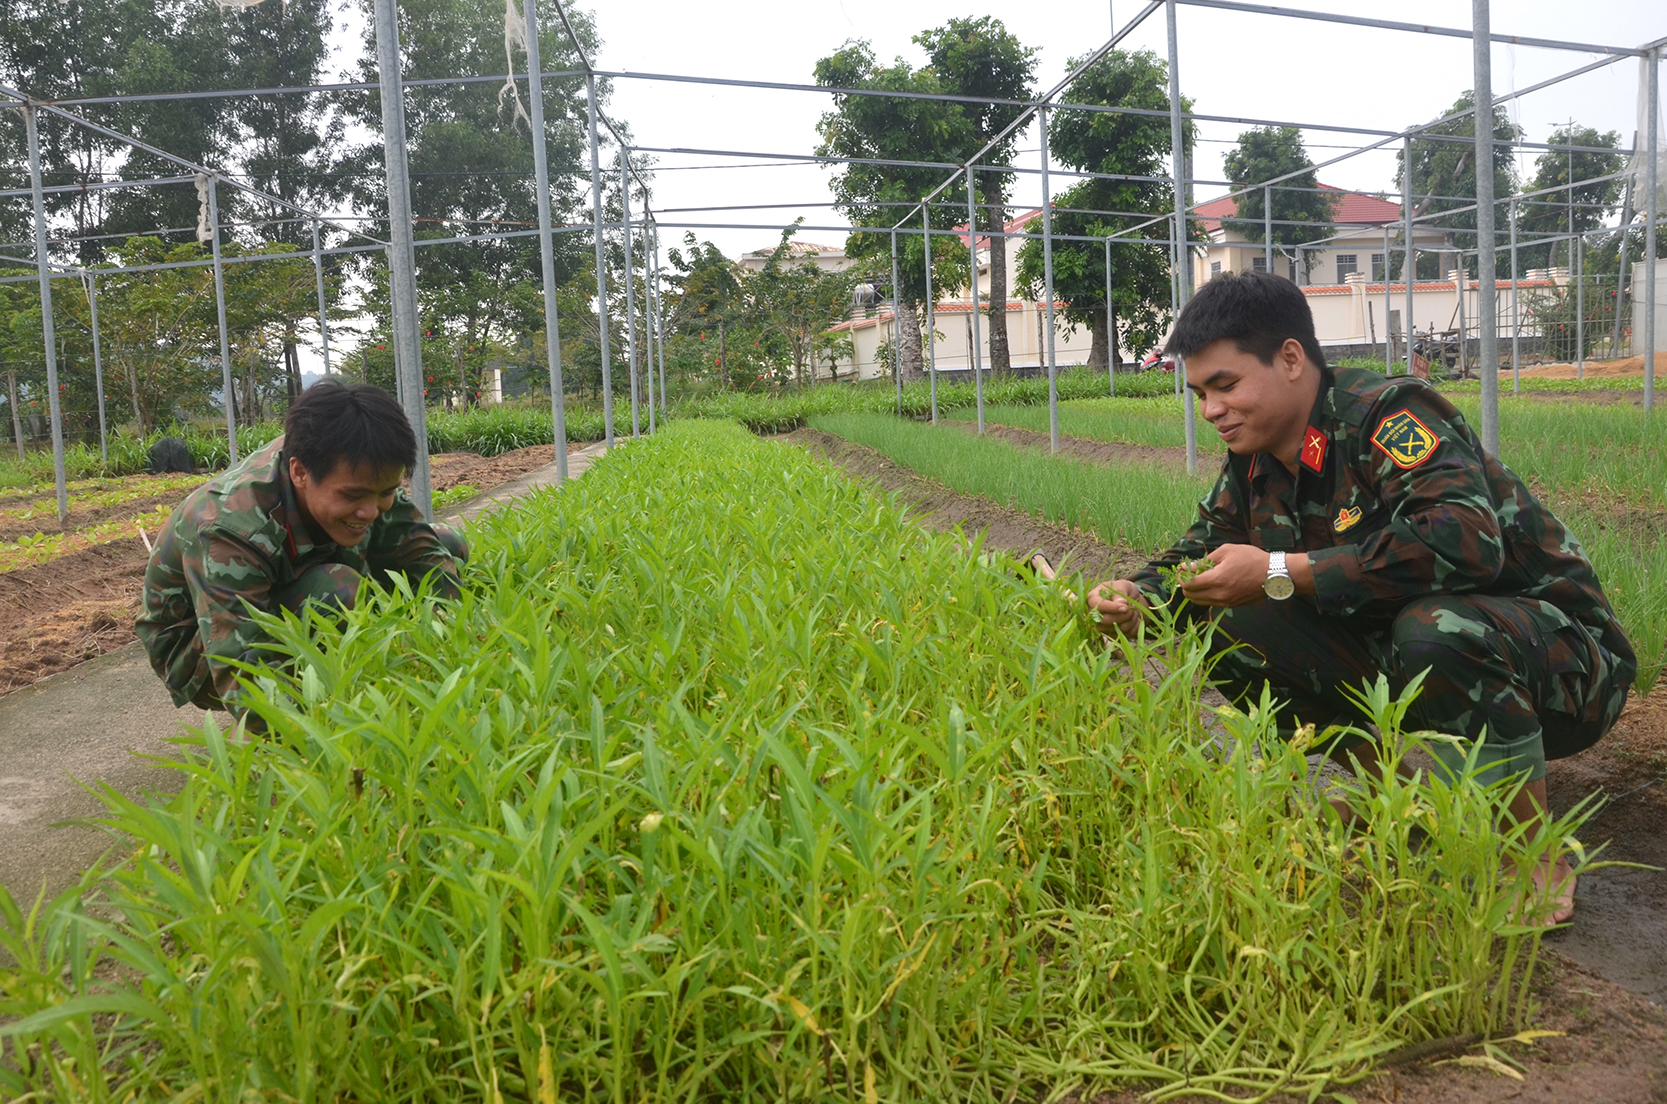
(1605, 978)
(82, 605)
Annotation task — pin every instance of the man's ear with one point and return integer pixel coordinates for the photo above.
(1292, 359)
(298, 473)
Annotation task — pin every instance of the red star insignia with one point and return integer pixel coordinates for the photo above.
(1313, 449)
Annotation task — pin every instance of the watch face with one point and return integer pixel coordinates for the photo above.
(1279, 587)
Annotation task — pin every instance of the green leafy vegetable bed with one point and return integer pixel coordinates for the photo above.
(725, 781)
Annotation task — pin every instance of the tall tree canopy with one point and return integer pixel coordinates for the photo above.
(895, 129)
(1443, 178)
(981, 57)
(1591, 202)
(1132, 146)
(1301, 211)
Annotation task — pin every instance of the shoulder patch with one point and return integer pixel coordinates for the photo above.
(1404, 439)
(1314, 443)
(1346, 517)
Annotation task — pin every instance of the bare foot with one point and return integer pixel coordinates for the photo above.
(1552, 901)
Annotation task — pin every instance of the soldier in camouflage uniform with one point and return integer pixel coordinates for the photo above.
(1358, 528)
(304, 519)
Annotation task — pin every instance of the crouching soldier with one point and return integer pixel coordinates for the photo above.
(305, 519)
(1358, 528)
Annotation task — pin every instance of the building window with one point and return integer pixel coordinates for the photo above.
(1258, 264)
(1215, 269)
(1377, 267)
(1347, 263)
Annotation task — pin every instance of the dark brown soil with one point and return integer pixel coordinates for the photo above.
(1604, 979)
(46, 515)
(1080, 448)
(82, 605)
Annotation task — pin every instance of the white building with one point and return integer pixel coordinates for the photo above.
(829, 258)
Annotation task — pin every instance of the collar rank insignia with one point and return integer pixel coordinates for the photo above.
(1346, 517)
(1313, 449)
(1405, 440)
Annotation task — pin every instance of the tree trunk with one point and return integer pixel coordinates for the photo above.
(1097, 348)
(133, 391)
(17, 418)
(292, 369)
(908, 336)
(1001, 362)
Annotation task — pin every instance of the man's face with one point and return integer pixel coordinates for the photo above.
(1254, 407)
(344, 503)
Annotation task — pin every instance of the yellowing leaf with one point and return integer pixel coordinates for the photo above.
(1528, 1037)
(1483, 1061)
(801, 1010)
(869, 1094)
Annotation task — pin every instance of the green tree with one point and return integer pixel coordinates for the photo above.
(897, 129)
(1265, 153)
(471, 171)
(1443, 178)
(1591, 202)
(798, 300)
(980, 57)
(1126, 145)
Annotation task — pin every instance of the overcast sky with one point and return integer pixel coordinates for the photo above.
(1230, 64)
(1234, 64)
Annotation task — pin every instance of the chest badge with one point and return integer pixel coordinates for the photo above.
(1405, 440)
(1313, 449)
(1346, 517)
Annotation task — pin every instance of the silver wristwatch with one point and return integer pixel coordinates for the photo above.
(1279, 585)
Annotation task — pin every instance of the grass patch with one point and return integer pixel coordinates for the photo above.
(725, 781)
(1145, 506)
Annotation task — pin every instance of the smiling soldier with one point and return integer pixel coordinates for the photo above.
(1359, 528)
(304, 519)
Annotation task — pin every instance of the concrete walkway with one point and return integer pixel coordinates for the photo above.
(94, 724)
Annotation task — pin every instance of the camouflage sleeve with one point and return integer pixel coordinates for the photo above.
(1218, 523)
(226, 575)
(402, 541)
(1442, 532)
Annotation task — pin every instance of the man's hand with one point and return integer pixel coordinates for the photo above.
(1119, 606)
(1235, 580)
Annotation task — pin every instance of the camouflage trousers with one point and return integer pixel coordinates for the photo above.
(1514, 673)
(337, 585)
(327, 585)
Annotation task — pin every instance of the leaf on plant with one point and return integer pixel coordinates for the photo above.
(1482, 1061)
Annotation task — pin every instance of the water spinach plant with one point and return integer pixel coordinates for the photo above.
(724, 780)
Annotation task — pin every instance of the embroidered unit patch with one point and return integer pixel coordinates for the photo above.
(1405, 440)
(1346, 517)
(1313, 449)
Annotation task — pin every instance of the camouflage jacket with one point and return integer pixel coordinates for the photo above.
(1394, 498)
(230, 545)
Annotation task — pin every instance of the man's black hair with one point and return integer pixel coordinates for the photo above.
(353, 423)
(1257, 311)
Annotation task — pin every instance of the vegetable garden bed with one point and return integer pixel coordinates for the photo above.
(723, 779)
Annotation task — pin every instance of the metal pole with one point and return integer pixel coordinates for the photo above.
(48, 329)
(323, 323)
(220, 309)
(1388, 305)
(896, 329)
(972, 273)
(1267, 226)
(1620, 268)
(1409, 267)
(1652, 116)
(98, 368)
(402, 255)
(601, 264)
(1111, 330)
(1486, 262)
(1578, 244)
(650, 341)
(1183, 270)
(659, 321)
(547, 249)
(931, 321)
(1516, 310)
(1047, 282)
(630, 297)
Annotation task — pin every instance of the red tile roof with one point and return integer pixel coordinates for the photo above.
(1353, 209)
